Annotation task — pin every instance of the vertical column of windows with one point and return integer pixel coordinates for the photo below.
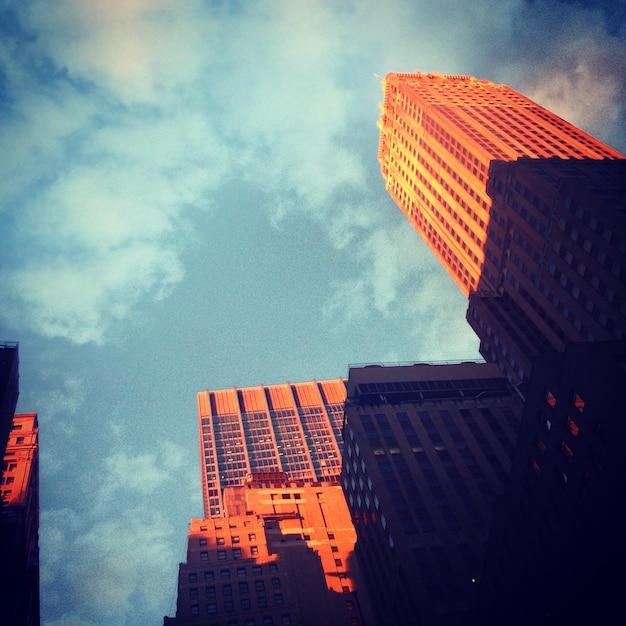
(210, 468)
(229, 444)
(262, 453)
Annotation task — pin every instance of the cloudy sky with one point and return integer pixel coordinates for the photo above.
(190, 198)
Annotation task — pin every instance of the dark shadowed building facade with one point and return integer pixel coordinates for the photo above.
(427, 454)
(558, 546)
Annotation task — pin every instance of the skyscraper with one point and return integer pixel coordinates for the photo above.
(19, 524)
(276, 545)
(19, 501)
(439, 136)
(292, 428)
(427, 453)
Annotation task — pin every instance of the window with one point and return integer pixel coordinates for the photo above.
(259, 585)
(235, 539)
(211, 608)
(275, 583)
(204, 556)
(273, 567)
(237, 553)
(221, 555)
(261, 602)
(210, 592)
(566, 451)
(257, 570)
(579, 403)
(338, 562)
(241, 572)
(227, 589)
(220, 541)
(251, 536)
(209, 577)
(254, 550)
(243, 587)
(572, 427)
(229, 606)
(192, 578)
(225, 574)
(268, 621)
(193, 593)
(278, 598)
(246, 604)
(286, 619)
(202, 542)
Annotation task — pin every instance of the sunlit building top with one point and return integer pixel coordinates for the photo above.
(439, 135)
(293, 428)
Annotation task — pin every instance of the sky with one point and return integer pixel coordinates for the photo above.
(190, 198)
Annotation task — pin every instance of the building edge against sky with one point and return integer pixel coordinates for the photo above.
(19, 505)
(438, 136)
(432, 452)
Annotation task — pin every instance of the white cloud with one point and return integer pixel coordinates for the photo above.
(123, 560)
(139, 111)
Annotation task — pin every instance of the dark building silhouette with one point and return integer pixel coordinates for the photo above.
(558, 545)
(19, 502)
(427, 453)
(9, 388)
(555, 260)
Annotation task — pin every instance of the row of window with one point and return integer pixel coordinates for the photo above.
(225, 574)
(227, 588)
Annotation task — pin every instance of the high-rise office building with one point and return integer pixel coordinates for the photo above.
(439, 136)
(427, 453)
(19, 524)
(19, 500)
(293, 428)
(527, 214)
(282, 554)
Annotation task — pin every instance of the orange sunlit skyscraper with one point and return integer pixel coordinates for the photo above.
(293, 428)
(439, 135)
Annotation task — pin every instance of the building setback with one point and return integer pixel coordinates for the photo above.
(427, 453)
(439, 136)
(282, 554)
(293, 428)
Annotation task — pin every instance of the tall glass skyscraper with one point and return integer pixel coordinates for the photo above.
(293, 428)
